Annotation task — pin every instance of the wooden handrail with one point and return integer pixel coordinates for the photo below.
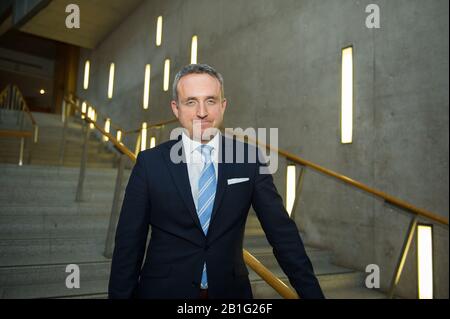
(388, 198)
(118, 127)
(275, 282)
(12, 133)
(151, 126)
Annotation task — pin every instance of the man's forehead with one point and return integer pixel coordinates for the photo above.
(200, 84)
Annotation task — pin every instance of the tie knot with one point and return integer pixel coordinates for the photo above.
(206, 152)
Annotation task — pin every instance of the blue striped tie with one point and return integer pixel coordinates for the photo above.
(206, 193)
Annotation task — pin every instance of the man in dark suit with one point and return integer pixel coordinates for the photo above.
(197, 209)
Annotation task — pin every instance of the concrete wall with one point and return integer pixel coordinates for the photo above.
(281, 64)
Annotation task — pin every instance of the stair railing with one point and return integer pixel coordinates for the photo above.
(413, 211)
(262, 271)
(11, 99)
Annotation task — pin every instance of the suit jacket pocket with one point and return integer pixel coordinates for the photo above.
(156, 271)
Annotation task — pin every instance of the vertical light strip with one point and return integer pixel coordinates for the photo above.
(146, 86)
(119, 136)
(425, 261)
(166, 75)
(290, 187)
(111, 81)
(107, 128)
(144, 136)
(159, 31)
(194, 44)
(347, 96)
(152, 142)
(89, 115)
(86, 74)
(83, 110)
(93, 118)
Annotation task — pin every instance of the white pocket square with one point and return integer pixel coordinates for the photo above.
(232, 181)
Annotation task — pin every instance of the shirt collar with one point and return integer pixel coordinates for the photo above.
(191, 145)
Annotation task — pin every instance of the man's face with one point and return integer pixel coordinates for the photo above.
(200, 102)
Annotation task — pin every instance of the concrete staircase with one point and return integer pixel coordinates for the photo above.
(337, 282)
(47, 150)
(43, 229)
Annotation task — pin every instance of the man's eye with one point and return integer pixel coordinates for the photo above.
(190, 103)
(211, 102)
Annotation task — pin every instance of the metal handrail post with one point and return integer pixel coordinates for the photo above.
(404, 253)
(84, 158)
(115, 210)
(22, 145)
(64, 133)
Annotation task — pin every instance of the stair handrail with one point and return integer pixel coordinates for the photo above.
(21, 103)
(347, 180)
(72, 97)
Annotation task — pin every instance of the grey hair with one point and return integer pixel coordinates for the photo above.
(196, 69)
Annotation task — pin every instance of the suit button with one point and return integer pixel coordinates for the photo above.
(206, 247)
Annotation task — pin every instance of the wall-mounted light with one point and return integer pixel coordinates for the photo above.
(146, 86)
(83, 110)
(144, 136)
(111, 81)
(119, 136)
(166, 75)
(290, 187)
(89, 115)
(347, 96)
(42, 91)
(194, 44)
(107, 128)
(152, 142)
(425, 261)
(159, 23)
(86, 74)
(93, 117)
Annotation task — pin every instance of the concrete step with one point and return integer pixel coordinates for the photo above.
(90, 164)
(54, 195)
(38, 151)
(261, 290)
(97, 289)
(53, 273)
(57, 290)
(34, 251)
(42, 172)
(94, 158)
(54, 226)
(354, 293)
(74, 209)
(8, 184)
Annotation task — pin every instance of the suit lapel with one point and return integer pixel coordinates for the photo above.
(180, 177)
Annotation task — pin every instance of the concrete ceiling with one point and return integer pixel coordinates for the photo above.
(97, 19)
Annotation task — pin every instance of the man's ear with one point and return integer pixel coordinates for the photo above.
(174, 106)
(224, 104)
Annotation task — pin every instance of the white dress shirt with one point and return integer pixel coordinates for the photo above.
(195, 163)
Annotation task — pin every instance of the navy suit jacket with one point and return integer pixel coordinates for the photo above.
(158, 194)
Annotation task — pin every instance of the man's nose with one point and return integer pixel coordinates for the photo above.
(201, 111)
